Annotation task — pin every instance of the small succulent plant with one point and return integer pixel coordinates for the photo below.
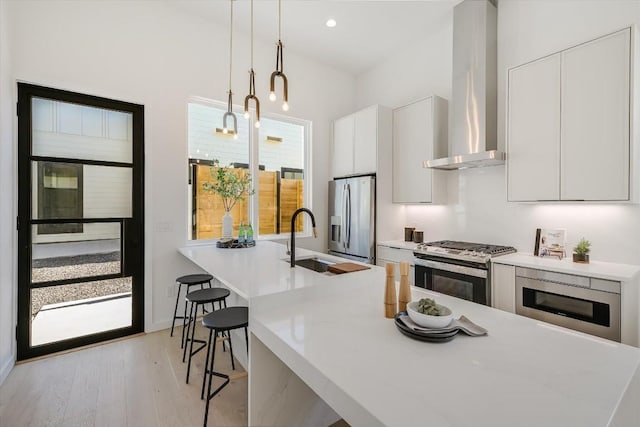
(583, 247)
(428, 306)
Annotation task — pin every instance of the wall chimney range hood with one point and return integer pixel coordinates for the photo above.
(473, 136)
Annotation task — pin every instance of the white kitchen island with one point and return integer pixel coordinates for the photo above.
(320, 342)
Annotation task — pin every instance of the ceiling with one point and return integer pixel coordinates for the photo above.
(367, 32)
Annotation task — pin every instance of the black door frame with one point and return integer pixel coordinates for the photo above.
(132, 229)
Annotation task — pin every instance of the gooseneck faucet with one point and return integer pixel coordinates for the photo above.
(293, 232)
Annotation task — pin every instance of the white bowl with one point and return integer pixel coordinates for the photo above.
(428, 321)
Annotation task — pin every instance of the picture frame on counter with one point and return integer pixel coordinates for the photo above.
(550, 243)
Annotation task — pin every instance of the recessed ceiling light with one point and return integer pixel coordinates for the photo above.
(331, 23)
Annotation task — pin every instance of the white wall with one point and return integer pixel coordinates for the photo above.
(7, 206)
(418, 69)
(152, 54)
(477, 209)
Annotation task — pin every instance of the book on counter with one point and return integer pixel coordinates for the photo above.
(550, 242)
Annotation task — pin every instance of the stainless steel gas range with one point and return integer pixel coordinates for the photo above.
(459, 269)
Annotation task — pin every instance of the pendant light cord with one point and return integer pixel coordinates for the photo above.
(279, 61)
(230, 42)
(251, 34)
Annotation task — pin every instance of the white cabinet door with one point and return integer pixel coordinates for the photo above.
(533, 145)
(396, 269)
(595, 120)
(343, 133)
(386, 254)
(412, 144)
(503, 287)
(365, 141)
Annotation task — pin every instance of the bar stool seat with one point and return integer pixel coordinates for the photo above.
(194, 279)
(196, 298)
(188, 280)
(221, 321)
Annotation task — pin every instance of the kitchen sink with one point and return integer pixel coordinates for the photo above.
(316, 264)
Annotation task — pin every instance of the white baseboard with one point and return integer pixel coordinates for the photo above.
(158, 326)
(6, 368)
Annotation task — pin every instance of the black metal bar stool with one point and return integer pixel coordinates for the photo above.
(200, 298)
(188, 280)
(220, 322)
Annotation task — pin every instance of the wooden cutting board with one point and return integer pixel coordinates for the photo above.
(346, 267)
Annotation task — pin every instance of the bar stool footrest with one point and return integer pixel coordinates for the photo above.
(223, 385)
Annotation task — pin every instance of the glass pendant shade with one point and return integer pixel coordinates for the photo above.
(252, 97)
(234, 120)
(279, 67)
(252, 84)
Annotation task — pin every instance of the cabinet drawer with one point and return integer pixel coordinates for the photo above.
(395, 254)
(568, 279)
(605, 285)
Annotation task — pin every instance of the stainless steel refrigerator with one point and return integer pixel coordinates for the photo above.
(352, 218)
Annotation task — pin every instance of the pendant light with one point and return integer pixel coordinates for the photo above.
(252, 83)
(229, 113)
(279, 67)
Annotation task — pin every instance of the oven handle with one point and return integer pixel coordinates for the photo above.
(467, 271)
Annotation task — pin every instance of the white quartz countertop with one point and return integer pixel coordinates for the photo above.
(524, 373)
(261, 270)
(399, 244)
(331, 332)
(600, 270)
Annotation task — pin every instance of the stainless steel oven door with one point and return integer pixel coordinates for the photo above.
(582, 309)
(459, 281)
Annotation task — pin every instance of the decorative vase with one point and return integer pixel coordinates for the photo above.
(582, 258)
(227, 225)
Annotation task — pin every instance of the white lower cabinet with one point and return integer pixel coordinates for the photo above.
(503, 287)
(389, 255)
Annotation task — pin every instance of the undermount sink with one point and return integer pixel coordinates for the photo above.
(316, 264)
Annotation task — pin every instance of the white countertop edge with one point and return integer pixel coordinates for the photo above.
(341, 402)
(596, 269)
(231, 287)
(398, 244)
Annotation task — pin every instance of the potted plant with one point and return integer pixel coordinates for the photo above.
(581, 251)
(231, 186)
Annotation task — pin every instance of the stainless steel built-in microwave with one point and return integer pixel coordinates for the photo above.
(570, 301)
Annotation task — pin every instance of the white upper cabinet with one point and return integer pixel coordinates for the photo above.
(595, 120)
(568, 133)
(343, 146)
(533, 168)
(419, 134)
(355, 139)
(365, 137)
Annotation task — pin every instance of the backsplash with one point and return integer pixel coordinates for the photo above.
(477, 210)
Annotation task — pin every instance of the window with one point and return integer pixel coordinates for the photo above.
(276, 156)
(59, 196)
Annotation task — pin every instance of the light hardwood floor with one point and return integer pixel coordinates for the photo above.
(136, 382)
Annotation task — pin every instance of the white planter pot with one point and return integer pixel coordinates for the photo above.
(227, 225)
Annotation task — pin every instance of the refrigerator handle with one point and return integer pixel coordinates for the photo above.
(343, 216)
(348, 215)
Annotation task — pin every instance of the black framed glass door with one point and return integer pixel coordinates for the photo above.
(80, 220)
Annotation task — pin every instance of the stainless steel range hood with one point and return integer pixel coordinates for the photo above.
(473, 136)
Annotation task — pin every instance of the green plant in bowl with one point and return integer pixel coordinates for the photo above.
(427, 305)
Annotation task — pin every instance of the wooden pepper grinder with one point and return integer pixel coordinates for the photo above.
(404, 296)
(390, 301)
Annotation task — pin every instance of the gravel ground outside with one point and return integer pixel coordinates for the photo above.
(73, 267)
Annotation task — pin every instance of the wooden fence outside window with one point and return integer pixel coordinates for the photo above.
(277, 201)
